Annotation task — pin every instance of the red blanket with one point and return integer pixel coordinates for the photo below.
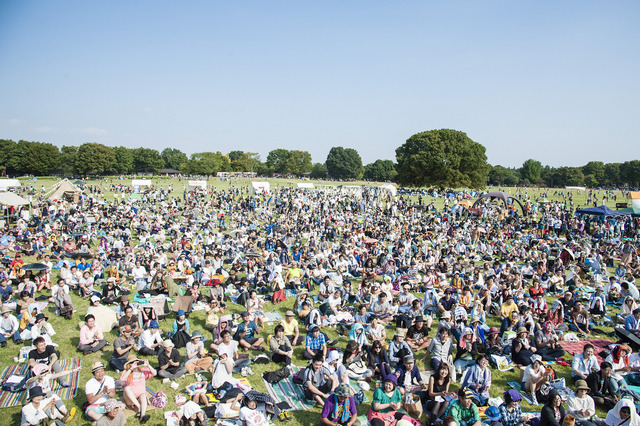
(577, 347)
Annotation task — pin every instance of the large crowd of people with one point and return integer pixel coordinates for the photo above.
(389, 292)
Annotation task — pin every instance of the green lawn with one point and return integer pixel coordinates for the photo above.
(67, 333)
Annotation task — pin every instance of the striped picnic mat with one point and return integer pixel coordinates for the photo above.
(286, 390)
(12, 399)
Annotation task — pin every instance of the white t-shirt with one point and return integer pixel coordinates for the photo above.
(229, 349)
(93, 385)
(253, 417)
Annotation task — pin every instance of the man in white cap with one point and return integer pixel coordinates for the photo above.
(9, 327)
(169, 361)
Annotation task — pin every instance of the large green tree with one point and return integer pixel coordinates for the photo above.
(596, 170)
(380, 171)
(299, 162)
(7, 154)
(208, 163)
(612, 174)
(344, 163)
(241, 161)
(277, 160)
(630, 173)
(531, 171)
(95, 158)
(173, 158)
(499, 175)
(443, 158)
(124, 159)
(68, 155)
(147, 159)
(319, 171)
(36, 158)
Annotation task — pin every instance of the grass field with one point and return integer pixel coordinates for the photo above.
(67, 332)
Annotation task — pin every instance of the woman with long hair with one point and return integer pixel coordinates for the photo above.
(438, 391)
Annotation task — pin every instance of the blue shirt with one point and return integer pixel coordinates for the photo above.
(315, 344)
(249, 329)
(630, 323)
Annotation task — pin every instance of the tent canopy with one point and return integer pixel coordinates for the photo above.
(602, 211)
(389, 188)
(9, 183)
(260, 187)
(140, 182)
(202, 184)
(64, 189)
(635, 212)
(307, 185)
(11, 199)
(499, 195)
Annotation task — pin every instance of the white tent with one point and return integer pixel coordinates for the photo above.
(579, 188)
(201, 184)
(389, 188)
(260, 187)
(11, 199)
(635, 199)
(8, 183)
(305, 185)
(140, 182)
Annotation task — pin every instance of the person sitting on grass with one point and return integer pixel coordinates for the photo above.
(438, 391)
(169, 365)
(521, 348)
(151, 340)
(135, 375)
(91, 336)
(623, 414)
(585, 363)
(100, 389)
(464, 411)
(510, 409)
(581, 405)
(42, 379)
(280, 346)
(121, 349)
(552, 413)
(246, 334)
(40, 408)
(291, 329)
(440, 348)
(196, 359)
(9, 327)
(340, 408)
(602, 388)
(478, 380)
(180, 330)
(315, 343)
(229, 348)
(318, 381)
(535, 375)
(46, 354)
(131, 320)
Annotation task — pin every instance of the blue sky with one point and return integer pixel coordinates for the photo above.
(554, 81)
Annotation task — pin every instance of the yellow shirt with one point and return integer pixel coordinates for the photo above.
(289, 327)
(506, 310)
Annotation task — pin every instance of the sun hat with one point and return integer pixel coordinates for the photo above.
(343, 390)
(535, 357)
(94, 299)
(408, 358)
(111, 404)
(35, 391)
(153, 324)
(400, 332)
(493, 330)
(419, 318)
(522, 330)
(313, 327)
(5, 310)
(289, 314)
(41, 316)
(167, 344)
(493, 413)
(446, 315)
(352, 346)
(131, 359)
(475, 319)
(97, 366)
(180, 312)
(39, 368)
(196, 335)
(582, 384)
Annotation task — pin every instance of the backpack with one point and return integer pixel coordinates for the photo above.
(15, 383)
(275, 376)
(298, 378)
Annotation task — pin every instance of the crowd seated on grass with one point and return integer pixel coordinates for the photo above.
(422, 309)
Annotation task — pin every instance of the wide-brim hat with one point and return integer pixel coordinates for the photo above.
(5, 310)
(523, 330)
(493, 413)
(352, 346)
(167, 344)
(400, 332)
(582, 384)
(196, 335)
(41, 316)
(419, 318)
(97, 366)
(35, 391)
(131, 359)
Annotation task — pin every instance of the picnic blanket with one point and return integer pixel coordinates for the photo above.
(577, 347)
(286, 390)
(274, 316)
(12, 399)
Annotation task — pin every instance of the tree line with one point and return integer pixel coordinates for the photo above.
(441, 158)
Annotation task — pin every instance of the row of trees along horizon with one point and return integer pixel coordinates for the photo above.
(437, 158)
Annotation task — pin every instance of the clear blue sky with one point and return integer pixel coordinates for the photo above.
(554, 81)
